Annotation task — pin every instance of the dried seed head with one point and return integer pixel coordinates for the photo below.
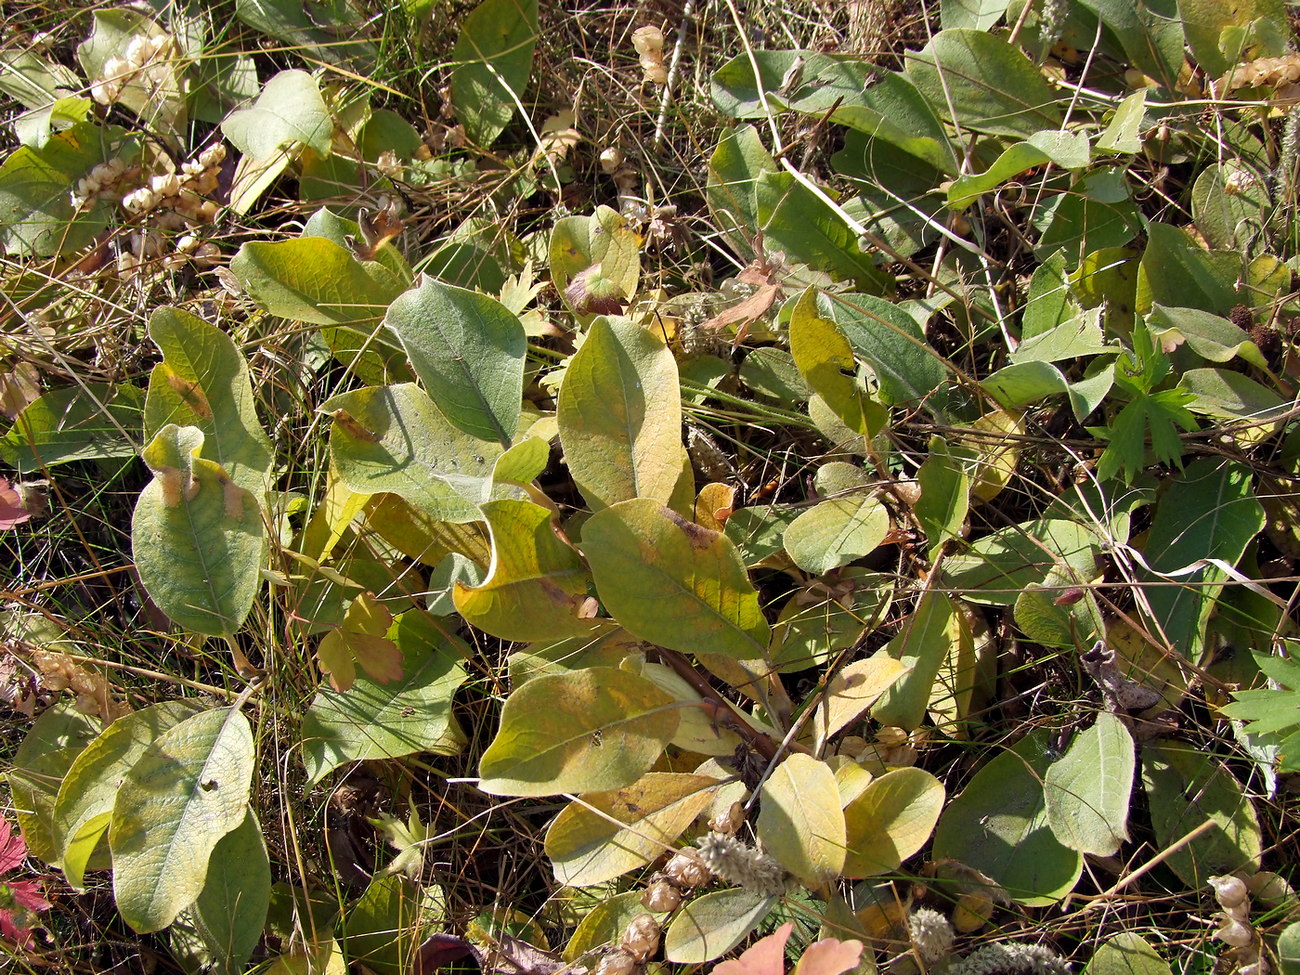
(616, 962)
(1271, 889)
(641, 939)
(729, 820)
(1232, 931)
(661, 897)
(686, 870)
(1229, 891)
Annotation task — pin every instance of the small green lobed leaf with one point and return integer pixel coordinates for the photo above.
(591, 730)
(587, 848)
(468, 350)
(891, 819)
(389, 720)
(203, 382)
(834, 533)
(187, 791)
(198, 537)
(620, 416)
(1087, 790)
(672, 583)
(801, 823)
(536, 583)
(393, 439)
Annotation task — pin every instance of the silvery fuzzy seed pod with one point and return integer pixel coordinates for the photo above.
(686, 871)
(616, 962)
(1229, 891)
(661, 897)
(641, 939)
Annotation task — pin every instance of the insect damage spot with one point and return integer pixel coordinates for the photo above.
(699, 537)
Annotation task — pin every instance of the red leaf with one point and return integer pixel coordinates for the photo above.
(764, 957)
(829, 957)
(12, 510)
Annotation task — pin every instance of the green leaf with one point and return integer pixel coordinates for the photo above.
(386, 925)
(494, 55)
(1230, 203)
(198, 537)
(90, 421)
(1231, 396)
(1185, 786)
(231, 910)
(603, 835)
(84, 804)
(795, 220)
(945, 495)
(834, 533)
(1209, 512)
(37, 218)
(998, 567)
(890, 820)
(1126, 953)
(620, 415)
(1068, 150)
(1288, 949)
(187, 791)
(825, 359)
(536, 582)
(468, 351)
(893, 113)
(1174, 271)
(46, 754)
(800, 823)
(708, 927)
(1124, 133)
(604, 242)
(1097, 213)
(925, 641)
(587, 731)
(1273, 711)
(393, 439)
(973, 14)
(998, 826)
(314, 280)
(203, 382)
(326, 29)
(604, 924)
(290, 109)
(156, 96)
(734, 168)
(1151, 34)
(672, 583)
(889, 339)
(1087, 790)
(1212, 28)
(360, 639)
(388, 720)
(986, 83)
(1211, 337)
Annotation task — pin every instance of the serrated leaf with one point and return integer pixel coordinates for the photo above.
(84, 804)
(708, 927)
(672, 583)
(1087, 790)
(290, 109)
(360, 640)
(619, 415)
(834, 533)
(373, 720)
(203, 382)
(198, 537)
(591, 730)
(187, 791)
(536, 583)
(494, 57)
(891, 819)
(468, 351)
(587, 848)
(800, 823)
(393, 439)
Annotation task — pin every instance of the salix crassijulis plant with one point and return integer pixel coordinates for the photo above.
(1023, 347)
